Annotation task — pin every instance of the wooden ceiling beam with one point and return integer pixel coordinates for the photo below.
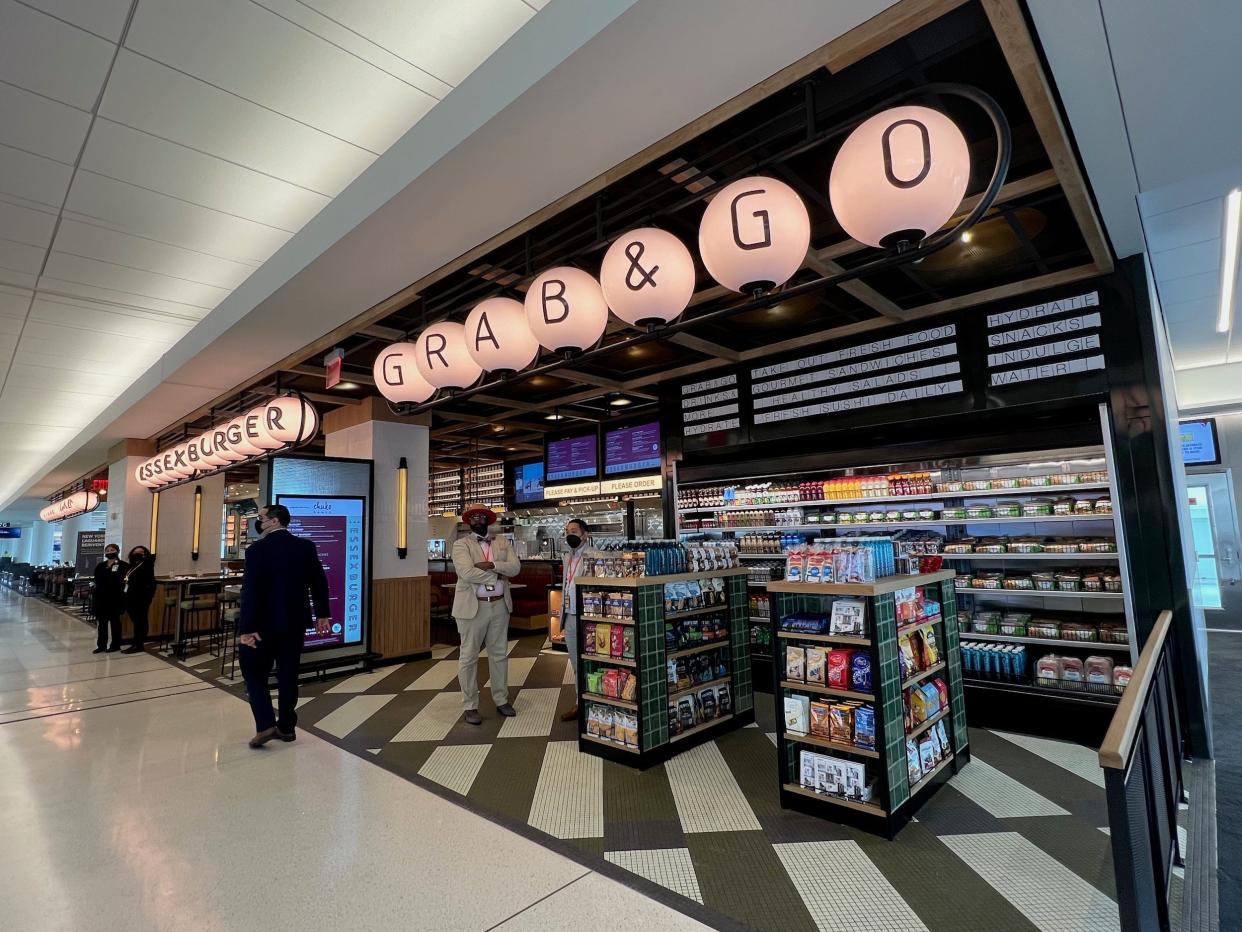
(707, 347)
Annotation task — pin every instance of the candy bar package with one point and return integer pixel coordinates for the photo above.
(797, 714)
(864, 727)
(816, 665)
(588, 638)
(617, 641)
(839, 668)
(795, 664)
(841, 722)
(860, 672)
(627, 643)
(847, 617)
(603, 640)
(943, 735)
(821, 723)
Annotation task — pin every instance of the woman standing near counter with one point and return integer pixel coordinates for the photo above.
(577, 535)
(139, 590)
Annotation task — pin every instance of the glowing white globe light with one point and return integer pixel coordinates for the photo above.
(397, 376)
(498, 338)
(441, 358)
(175, 464)
(566, 310)
(247, 425)
(647, 277)
(224, 438)
(899, 176)
(754, 234)
(213, 458)
(286, 420)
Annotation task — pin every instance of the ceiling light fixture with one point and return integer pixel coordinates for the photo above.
(620, 402)
(554, 416)
(346, 385)
(1229, 263)
(967, 236)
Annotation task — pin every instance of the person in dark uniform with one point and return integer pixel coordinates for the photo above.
(139, 591)
(109, 599)
(283, 580)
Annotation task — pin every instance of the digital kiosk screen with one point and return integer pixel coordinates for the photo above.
(1199, 443)
(573, 458)
(632, 449)
(336, 524)
(528, 482)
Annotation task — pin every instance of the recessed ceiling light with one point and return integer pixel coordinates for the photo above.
(1229, 263)
(554, 417)
(620, 402)
(346, 385)
(967, 236)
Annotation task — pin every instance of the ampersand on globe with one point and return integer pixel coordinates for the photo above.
(645, 276)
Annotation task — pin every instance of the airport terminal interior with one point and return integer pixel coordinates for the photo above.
(533, 464)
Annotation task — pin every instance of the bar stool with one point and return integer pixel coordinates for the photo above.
(230, 612)
(199, 611)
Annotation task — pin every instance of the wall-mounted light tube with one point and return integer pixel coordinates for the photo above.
(403, 488)
(155, 522)
(1229, 261)
(198, 520)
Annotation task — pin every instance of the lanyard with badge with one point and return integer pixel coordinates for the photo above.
(486, 547)
(571, 573)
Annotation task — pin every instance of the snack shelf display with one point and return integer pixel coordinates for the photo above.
(930, 496)
(665, 662)
(870, 708)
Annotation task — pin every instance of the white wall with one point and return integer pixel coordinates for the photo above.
(40, 543)
(385, 443)
(96, 520)
(129, 506)
(176, 528)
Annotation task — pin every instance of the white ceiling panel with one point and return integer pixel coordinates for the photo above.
(10, 328)
(1183, 226)
(60, 288)
(96, 242)
(105, 18)
(448, 40)
(26, 225)
(17, 279)
(158, 100)
(169, 220)
(134, 281)
(41, 125)
(98, 318)
(33, 177)
(1194, 259)
(51, 57)
(249, 51)
(88, 383)
(118, 152)
(1189, 288)
(20, 257)
(111, 347)
(54, 409)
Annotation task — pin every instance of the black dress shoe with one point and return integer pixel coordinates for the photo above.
(286, 736)
(98, 650)
(506, 710)
(472, 717)
(113, 650)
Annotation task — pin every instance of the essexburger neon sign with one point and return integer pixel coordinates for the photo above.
(278, 424)
(79, 503)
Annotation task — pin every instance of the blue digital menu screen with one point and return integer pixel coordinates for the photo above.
(632, 449)
(528, 482)
(1199, 442)
(573, 458)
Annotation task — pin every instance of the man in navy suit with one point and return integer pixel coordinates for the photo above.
(283, 580)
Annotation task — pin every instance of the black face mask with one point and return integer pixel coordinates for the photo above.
(258, 525)
(479, 527)
(111, 556)
(573, 540)
(136, 557)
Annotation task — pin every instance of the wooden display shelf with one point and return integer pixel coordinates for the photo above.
(701, 727)
(922, 675)
(915, 626)
(833, 745)
(926, 780)
(1034, 491)
(723, 607)
(827, 638)
(879, 587)
(602, 658)
(699, 686)
(608, 700)
(827, 690)
(698, 648)
(633, 582)
(602, 620)
(608, 742)
(927, 724)
(869, 808)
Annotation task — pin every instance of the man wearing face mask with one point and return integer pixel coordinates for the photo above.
(481, 607)
(109, 599)
(283, 580)
(576, 539)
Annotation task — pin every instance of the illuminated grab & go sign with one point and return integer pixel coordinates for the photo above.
(278, 424)
(79, 503)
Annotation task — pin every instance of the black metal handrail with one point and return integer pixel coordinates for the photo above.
(1142, 758)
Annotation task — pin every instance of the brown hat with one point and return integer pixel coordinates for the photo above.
(477, 509)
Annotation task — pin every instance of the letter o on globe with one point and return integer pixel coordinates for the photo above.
(441, 358)
(647, 277)
(498, 338)
(566, 310)
(754, 234)
(397, 377)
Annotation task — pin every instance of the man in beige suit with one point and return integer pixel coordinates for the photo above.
(481, 607)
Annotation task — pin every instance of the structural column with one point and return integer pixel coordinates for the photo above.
(129, 504)
(400, 595)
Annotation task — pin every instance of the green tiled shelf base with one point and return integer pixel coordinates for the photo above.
(739, 643)
(891, 710)
(653, 674)
(952, 650)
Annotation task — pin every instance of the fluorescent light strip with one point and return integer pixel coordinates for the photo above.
(1229, 265)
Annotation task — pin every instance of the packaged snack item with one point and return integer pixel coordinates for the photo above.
(841, 722)
(914, 769)
(937, 747)
(860, 672)
(1048, 667)
(864, 727)
(816, 664)
(707, 703)
(1099, 670)
(1069, 582)
(603, 639)
(588, 638)
(1037, 508)
(919, 709)
(630, 688)
(942, 693)
(627, 643)
(617, 640)
(724, 701)
(821, 714)
(1072, 670)
(815, 560)
(806, 761)
(795, 664)
(943, 735)
(795, 565)
(907, 662)
(1121, 677)
(685, 712)
(927, 756)
(839, 668)
(829, 775)
(931, 652)
(1079, 631)
(674, 720)
(848, 616)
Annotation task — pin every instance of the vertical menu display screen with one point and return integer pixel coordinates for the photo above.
(528, 482)
(632, 449)
(573, 458)
(335, 524)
